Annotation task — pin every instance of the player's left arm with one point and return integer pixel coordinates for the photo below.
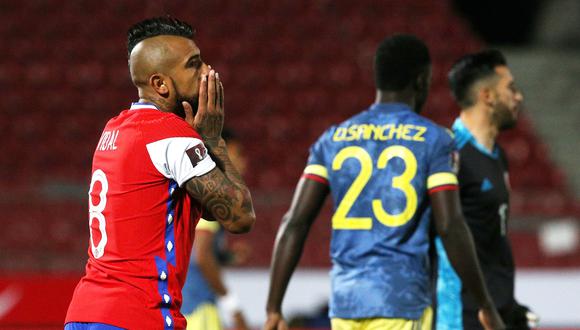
(308, 199)
(520, 316)
(222, 192)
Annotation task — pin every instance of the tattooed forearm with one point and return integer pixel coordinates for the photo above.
(221, 209)
(218, 150)
(227, 201)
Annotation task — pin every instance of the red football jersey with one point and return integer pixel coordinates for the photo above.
(141, 221)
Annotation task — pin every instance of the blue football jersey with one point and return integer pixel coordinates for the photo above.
(380, 166)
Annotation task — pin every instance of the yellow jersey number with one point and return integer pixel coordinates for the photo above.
(340, 220)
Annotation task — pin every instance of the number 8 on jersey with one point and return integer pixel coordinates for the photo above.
(96, 212)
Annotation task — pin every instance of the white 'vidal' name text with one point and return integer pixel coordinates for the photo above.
(108, 140)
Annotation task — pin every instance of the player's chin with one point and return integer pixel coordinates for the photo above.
(515, 113)
(509, 123)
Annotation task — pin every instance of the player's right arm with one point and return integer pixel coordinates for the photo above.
(306, 203)
(222, 193)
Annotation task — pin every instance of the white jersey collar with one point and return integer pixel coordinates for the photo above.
(142, 105)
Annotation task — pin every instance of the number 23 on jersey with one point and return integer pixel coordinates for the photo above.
(340, 220)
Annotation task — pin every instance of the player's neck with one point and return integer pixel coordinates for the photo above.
(479, 124)
(158, 102)
(396, 97)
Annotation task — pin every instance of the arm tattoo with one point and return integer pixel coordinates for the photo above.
(222, 191)
(219, 153)
(215, 192)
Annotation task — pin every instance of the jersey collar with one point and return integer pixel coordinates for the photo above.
(391, 107)
(464, 136)
(142, 105)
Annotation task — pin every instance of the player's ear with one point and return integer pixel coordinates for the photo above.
(422, 81)
(482, 94)
(486, 95)
(159, 83)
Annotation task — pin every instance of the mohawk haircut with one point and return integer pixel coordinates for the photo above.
(470, 69)
(399, 60)
(157, 26)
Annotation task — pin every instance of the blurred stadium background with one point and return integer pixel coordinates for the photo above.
(290, 69)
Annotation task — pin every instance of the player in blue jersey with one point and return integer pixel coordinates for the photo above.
(388, 170)
(484, 88)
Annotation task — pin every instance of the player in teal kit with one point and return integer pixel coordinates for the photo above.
(385, 168)
(490, 101)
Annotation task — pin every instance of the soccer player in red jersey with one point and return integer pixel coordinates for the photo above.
(158, 167)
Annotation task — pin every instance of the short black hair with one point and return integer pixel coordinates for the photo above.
(157, 26)
(470, 69)
(399, 60)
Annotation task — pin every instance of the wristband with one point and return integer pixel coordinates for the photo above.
(229, 303)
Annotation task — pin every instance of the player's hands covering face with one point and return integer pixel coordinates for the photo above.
(209, 119)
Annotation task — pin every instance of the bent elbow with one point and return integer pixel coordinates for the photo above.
(242, 225)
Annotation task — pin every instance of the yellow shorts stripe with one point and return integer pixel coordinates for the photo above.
(316, 170)
(205, 316)
(441, 179)
(424, 323)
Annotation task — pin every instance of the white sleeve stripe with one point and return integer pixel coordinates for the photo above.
(203, 167)
(170, 159)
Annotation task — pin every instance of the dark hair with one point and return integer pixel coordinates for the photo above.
(470, 69)
(399, 60)
(157, 26)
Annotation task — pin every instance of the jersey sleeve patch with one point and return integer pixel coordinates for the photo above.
(211, 226)
(196, 154)
(442, 181)
(180, 158)
(316, 172)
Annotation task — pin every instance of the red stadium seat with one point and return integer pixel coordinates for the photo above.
(290, 70)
